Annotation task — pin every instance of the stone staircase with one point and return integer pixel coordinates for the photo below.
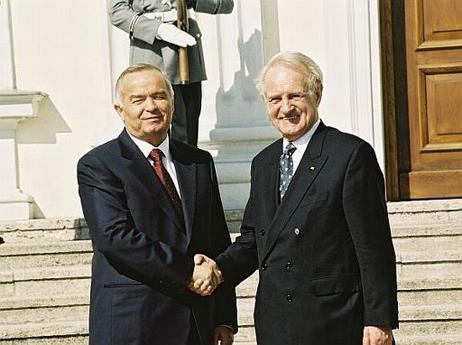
(45, 278)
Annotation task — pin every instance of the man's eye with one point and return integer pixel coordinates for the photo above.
(160, 97)
(137, 101)
(297, 96)
(274, 100)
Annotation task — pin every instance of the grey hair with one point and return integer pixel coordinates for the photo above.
(298, 62)
(139, 68)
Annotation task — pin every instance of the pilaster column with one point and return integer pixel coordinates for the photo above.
(7, 79)
(15, 106)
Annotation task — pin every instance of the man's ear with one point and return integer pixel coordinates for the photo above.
(119, 109)
(318, 94)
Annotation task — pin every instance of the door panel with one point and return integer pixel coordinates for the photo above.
(442, 19)
(434, 77)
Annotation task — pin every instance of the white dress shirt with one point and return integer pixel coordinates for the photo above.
(301, 144)
(167, 161)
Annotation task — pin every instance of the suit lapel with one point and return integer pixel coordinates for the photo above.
(186, 172)
(139, 166)
(270, 180)
(310, 166)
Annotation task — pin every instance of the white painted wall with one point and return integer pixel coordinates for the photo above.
(68, 50)
(60, 48)
(7, 80)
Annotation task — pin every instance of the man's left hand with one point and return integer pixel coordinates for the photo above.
(223, 336)
(377, 336)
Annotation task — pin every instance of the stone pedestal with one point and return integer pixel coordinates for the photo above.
(15, 106)
(234, 124)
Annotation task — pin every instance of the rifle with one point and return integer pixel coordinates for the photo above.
(183, 24)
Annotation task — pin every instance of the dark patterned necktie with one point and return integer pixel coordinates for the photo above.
(286, 168)
(167, 182)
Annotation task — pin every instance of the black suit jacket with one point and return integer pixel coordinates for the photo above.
(142, 259)
(325, 256)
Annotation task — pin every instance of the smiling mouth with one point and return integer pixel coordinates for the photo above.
(153, 118)
(289, 118)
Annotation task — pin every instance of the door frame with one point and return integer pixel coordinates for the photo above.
(394, 94)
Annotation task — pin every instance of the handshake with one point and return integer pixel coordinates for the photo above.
(206, 276)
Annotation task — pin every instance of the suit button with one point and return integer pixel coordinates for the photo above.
(289, 266)
(289, 298)
(297, 231)
(161, 282)
(262, 232)
(264, 266)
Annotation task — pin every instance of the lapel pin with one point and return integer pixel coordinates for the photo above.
(311, 168)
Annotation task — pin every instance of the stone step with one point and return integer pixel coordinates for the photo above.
(35, 309)
(429, 339)
(51, 340)
(411, 213)
(428, 230)
(428, 249)
(59, 280)
(45, 254)
(432, 312)
(49, 229)
(428, 297)
(426, 328)
(42, 331)
(436, 270)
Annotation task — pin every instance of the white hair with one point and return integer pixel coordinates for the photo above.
(297, 62)
(139, 68)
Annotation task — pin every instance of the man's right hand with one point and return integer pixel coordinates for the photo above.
(206, 276)
(170, 33)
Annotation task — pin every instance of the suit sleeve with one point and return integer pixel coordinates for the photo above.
(135, 24)
(130, 251)
(240, 260)
(367, 217)
(214, 6)
(225, 295)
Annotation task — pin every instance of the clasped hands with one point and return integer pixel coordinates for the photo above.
(206, 276)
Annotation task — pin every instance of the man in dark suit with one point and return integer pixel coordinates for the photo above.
(316, 225)
(151, 203)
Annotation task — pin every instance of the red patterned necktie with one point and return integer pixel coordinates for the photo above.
(166, 180)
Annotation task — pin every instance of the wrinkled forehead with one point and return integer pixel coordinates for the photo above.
(284, 77)
(143, 78)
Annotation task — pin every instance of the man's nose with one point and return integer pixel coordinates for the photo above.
(286, 105)
(150, 104)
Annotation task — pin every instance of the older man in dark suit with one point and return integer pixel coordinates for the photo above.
(316, 225)
(151, 203)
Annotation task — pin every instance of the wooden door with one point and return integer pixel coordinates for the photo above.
(434, 90)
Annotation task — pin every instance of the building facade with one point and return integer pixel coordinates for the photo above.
(59, 61)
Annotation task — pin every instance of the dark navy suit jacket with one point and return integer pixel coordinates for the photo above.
(324, 254)
(143, 257)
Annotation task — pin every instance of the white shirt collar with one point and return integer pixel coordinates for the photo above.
(302, 142)
(146, 147)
